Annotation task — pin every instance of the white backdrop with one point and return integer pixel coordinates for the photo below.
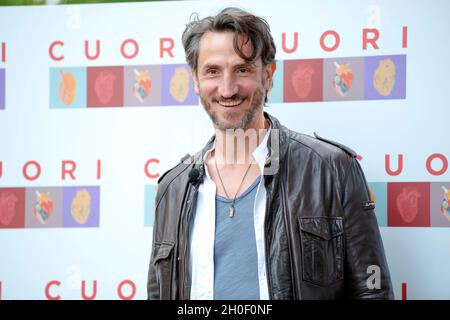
(110, 146)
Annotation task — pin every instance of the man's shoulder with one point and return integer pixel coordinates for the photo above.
(175, 177)
(326, 149)
(180, 170)
(323, 147)
(176, 170)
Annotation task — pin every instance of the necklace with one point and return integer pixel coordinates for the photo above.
(223, 186)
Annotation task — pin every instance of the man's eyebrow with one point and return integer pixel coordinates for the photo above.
(249, 64)
(210, 66)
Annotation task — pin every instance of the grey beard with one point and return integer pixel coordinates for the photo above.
(243, 124)
(247, 118)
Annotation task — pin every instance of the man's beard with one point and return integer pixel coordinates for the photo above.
(247, 118)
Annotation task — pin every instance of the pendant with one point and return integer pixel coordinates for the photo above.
(232, 211)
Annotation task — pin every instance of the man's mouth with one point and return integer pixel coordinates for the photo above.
(231, 103)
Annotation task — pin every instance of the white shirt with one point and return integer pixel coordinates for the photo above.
(203, 231)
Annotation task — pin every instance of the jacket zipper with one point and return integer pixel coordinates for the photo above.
(269, 284)
(288, 228)
(191, 195)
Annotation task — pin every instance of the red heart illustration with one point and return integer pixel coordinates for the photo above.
(408, 204)
(301, 80)
(104, 86)
(7, 207)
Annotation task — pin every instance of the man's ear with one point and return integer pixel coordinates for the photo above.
(270, 70)
(194, 77)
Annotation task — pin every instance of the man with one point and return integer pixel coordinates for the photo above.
(261, 212)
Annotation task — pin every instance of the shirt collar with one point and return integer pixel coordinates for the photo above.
(262, 151)
(259, 154)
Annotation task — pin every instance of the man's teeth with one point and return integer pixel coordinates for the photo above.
(230, 103)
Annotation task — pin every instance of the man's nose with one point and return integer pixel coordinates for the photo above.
(228, 86)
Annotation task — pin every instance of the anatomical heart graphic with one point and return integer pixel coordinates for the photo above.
(303, 80)
(440, 204)
(142, 84)
(445, 203)
(343, 79)
(12, 207)
(43, 207)
(8, 203)
(105, 87)
(409, 204)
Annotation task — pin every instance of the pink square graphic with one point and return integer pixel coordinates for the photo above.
(104, 87)
(303, 80)
(409, 204)
(12, 207)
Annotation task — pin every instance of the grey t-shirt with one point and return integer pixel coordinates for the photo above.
(235, 256)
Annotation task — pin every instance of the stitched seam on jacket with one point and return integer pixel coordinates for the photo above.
(326, 162)
(166, 187)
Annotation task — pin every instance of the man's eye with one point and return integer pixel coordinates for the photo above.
(243, 70)
(211, 72)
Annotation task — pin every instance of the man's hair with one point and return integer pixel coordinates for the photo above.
(239, 22)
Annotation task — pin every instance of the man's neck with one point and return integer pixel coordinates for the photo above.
(236, 146)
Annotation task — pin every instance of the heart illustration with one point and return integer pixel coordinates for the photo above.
(301, 80)
(445, 204)
(142, 84)
(343, 79)
(43, 207)
(7, 207)
(104, 86)
(408, 204)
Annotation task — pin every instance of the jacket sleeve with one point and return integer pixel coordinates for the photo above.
(366, 268)
(153, 292)
(152, 284)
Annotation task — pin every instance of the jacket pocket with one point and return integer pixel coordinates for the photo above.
(322, 249)
(162, 261)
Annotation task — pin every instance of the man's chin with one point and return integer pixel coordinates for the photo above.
(227, 125)
(235, 118)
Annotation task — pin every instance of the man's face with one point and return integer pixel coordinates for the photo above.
(231, 89)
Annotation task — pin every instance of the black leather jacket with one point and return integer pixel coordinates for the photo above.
(322, 239)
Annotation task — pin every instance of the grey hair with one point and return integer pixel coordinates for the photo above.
(235, 20)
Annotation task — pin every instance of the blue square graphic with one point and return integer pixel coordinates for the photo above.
(2, 89)
(276, 94)
(149, 205)
(67, 88)
(379, 192)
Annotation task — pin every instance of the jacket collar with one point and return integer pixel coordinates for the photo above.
(276, 144)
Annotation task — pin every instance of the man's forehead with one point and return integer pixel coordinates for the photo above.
(211, 53)
(214, 40)
(243, 39)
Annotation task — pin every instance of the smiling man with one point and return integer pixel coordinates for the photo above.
(261, 212)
